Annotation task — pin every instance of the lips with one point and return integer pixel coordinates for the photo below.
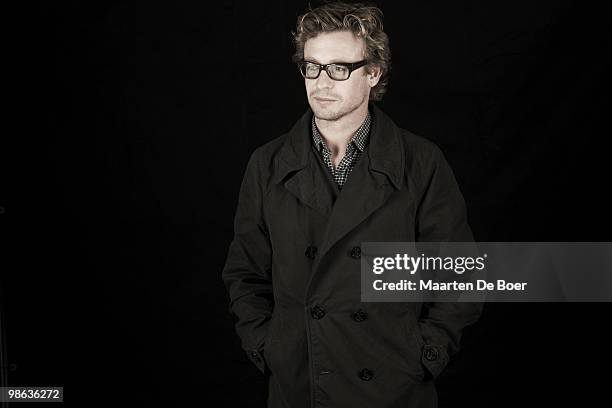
(325, 99)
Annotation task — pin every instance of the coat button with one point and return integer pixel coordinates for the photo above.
(366, 374)
(255, 356)
(360, 316)
(356, 252)
(311, 252)
(431, 354)
(317, 312)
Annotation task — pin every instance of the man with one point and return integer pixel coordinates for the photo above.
(343, 175)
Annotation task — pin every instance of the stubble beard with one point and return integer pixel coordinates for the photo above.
(328, 114)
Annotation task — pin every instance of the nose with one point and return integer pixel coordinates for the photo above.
(324, 81)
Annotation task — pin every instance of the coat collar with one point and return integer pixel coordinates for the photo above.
(385, 148)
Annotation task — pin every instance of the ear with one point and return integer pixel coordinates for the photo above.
(374, 76)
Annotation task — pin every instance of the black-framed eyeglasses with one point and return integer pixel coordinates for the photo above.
(338, 71)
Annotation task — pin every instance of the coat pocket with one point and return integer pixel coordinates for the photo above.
(415, 330)
(400, 357)
(269, 345)
(414, 349)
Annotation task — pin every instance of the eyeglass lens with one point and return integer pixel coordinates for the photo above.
(338, 72)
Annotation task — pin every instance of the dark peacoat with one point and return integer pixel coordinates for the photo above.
(293, 270)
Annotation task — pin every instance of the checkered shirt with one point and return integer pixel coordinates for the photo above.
(354, 150)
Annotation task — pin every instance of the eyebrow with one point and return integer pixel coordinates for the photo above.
(334, 61)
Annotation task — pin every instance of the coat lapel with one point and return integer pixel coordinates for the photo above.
(377, 174)
(364, 192)
(308, 186)
(297, 170)
(375, 177)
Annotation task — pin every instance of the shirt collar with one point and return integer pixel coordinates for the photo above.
(360, 138)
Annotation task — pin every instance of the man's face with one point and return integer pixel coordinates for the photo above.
(349, 95)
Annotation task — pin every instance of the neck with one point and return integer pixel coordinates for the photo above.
(338, 133)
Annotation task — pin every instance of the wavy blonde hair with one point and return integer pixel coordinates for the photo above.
(363, 20)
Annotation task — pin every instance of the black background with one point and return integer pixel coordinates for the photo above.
(140, 117)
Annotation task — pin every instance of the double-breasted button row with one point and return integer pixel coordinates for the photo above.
(317, 312)
(311, 252)
(431, 353)
(366, 374)
(360, 315)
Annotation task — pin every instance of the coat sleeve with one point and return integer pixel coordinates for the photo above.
(442, 217)
(247, 271)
